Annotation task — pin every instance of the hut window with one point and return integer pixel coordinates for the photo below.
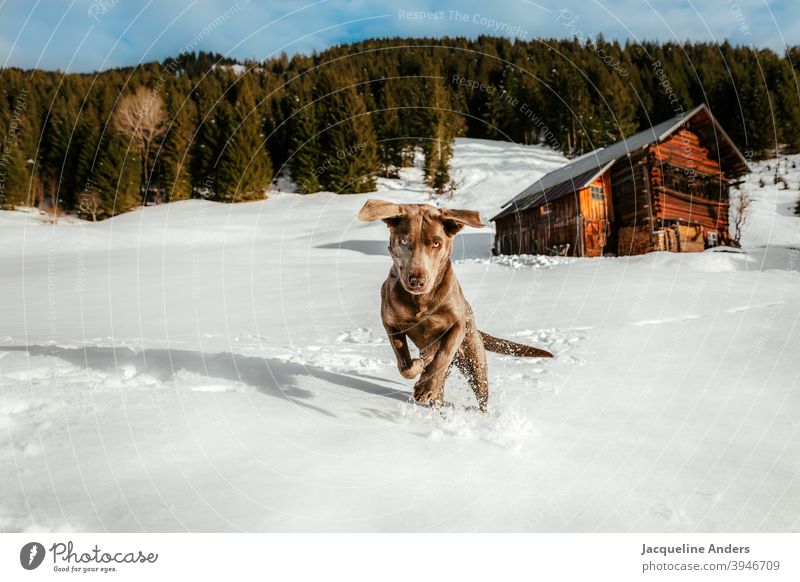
(544, 209)
(712, 238)
(597, 192)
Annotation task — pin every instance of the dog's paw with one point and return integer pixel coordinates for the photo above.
(426, 392)
(414, 370)
(423, 392)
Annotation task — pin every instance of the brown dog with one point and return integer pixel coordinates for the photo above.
(422, 300)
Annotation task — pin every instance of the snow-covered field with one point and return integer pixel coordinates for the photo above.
(210, 367)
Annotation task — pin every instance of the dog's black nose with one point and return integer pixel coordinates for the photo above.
(416, 282)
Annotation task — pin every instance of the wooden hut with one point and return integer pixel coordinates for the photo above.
(665, 188)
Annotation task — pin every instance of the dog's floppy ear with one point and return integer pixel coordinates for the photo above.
(389, 212)
(454, 220)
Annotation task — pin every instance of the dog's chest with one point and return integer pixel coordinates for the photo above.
(425, 327)
(424, 321)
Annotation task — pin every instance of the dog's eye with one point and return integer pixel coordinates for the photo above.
(403, 240)
(437, 244)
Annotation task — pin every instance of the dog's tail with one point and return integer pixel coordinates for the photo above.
(509, 348)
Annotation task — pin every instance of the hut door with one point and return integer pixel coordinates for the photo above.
(595, 219)
(594, 236)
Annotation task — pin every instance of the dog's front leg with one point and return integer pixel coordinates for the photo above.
(409, 367)
(429, 389)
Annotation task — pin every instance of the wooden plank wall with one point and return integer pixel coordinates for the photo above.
(628, 193)
(558, 227)
(608, 187)
(684, 149)
(698, 193)
(517, 233)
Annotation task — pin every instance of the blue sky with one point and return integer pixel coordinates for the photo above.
(86, 35)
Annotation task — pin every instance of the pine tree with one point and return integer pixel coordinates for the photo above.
(389, 132)
(442, 125)
(413, 94)
(303, 125)
(14, 176)
(617, 109)
(244, 170)
(116, 177)
(14, 173)
(174, 159)
(758, 120)
(787, 105)
(209, 140)
(305, 149)
(87, 151)
(54, 152)
(83, 158)
(349, 151)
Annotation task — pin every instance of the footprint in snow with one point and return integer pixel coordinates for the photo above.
(558, 341)
(361, 335)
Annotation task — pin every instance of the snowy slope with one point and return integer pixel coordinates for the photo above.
(773, 219)
(206, 367)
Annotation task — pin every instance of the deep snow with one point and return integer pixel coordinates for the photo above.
(210, 367)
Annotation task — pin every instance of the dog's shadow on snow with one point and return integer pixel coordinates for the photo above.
(268, 375)
(472, 245)
(365, 247)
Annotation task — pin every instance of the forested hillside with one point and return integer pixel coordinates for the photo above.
(199, 125)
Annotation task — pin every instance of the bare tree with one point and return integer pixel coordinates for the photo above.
(90, 204)
(741, 212)
(142, 117)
